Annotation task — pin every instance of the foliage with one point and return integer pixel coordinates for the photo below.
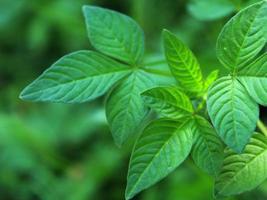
(118, 67)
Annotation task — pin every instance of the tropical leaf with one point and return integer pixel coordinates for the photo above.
(168, 101)
(125, 109)
(183, 64)
(163, 146)
(114, 34)
(232, 111)
(254, 78)
(75, 78)
(243, 172)
(243, 37)
(207, 150)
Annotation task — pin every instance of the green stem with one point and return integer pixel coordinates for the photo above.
(158, 62)
(158, 72)
(262, 127)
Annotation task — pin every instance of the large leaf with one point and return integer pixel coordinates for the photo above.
(183, 63)
(232, 111)
(254, 78)
(168, 101)
(243, 37)
(209, 9)
(125, 109)
(163, 145)
(245, 171)
(208, 149)
(76, 78)
(114, 34)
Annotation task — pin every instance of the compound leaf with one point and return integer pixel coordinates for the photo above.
(254, 78)
(207, 150)
(183, 64)
(232, 111)
(125, 109)
(78, 77)
(114, 34)
(243, 37)
(163, 146)
(243, 172)
(168, 101)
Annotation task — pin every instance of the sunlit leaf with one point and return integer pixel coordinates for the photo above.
(183, 63)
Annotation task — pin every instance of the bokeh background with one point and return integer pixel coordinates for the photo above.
(55, 151)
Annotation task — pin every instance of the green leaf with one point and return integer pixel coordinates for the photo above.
(163, 146)
(183, 63)
(209, 9)
(210, 79)
(243, 172)
(125, 109)
(114, 34)
(207, 150)
(168, 101)
(232, 111)
(254, 78)
(75, 78)
(243, 37)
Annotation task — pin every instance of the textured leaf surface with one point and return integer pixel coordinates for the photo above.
(210, 79)
(210, 10)
(168, 101)
(183, 63)
(207, 151)
(76, 78)
(232, 111)
(125, 109)
(243, 172)
(163, 145)
(114, 34)
(254, 78)
(243, 37)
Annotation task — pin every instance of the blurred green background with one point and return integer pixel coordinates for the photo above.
(54, 151)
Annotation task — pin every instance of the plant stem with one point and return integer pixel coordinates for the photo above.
(158, 72)
(158, 62)
(262, 127)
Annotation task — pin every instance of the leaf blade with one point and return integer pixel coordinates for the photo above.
(245, 171)
(114, 34)
(232, 111)
(243, 37)
(166, 143)
(75, 78)
(207, 150)
(125, 109)
(183, 64)
(168, 101)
